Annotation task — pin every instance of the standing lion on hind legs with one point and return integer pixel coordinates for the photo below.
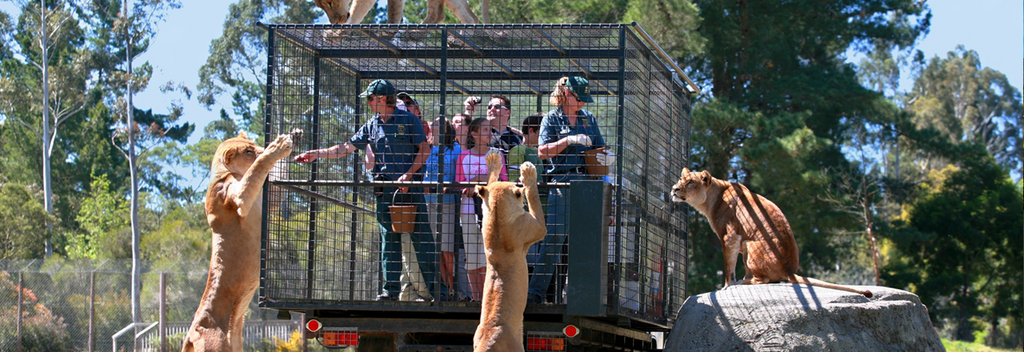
(508, 232)
(747, 223)
(233, 209)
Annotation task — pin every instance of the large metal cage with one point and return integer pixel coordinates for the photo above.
(321, 238)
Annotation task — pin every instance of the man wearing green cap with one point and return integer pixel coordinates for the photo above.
(399, 147)
(565, 133)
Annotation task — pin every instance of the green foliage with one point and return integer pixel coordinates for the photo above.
(236, 65)
(183, 235)
(23, 229)
(964, 346)
(104, 220)
(960, 248)
(967, 103)
(41, 329)
(671, 23)
(558, 11)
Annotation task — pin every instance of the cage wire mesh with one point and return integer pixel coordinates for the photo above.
(323, 241)
(78, 305)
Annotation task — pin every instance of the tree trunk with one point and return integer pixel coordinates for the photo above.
(47, 187)
(133, 166)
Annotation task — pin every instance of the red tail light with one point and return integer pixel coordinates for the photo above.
(339, 337)
(545, 344)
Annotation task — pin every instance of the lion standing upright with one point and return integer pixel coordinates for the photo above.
(747, 223)
(508, 232)
(233, 209)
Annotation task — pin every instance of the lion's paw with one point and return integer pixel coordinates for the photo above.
(281, 147)
(528, 174)
(493, 160)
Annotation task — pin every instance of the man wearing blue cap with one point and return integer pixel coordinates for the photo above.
(399, 147)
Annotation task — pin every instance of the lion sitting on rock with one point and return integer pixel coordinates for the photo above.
(508, 232)
(233, 209)
(747, 223)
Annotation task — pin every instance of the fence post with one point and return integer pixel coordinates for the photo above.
(21, 286)
(163, 311)
(302, 325)
(92, 310)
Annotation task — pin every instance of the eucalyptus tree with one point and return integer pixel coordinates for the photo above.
(969, 103)
(49, 34)
(236, 66)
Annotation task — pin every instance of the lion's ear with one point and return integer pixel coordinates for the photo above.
(229, 155)
(241, 134)
(705, 177)
(482, 191)
(686, 170)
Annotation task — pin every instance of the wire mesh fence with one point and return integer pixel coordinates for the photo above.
(79, 305)
(329, 235)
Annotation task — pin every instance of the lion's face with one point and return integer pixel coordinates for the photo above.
(237, 154)
(691, 187)
(505, 195)
(337, 10)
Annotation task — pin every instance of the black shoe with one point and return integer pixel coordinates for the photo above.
(384, 297)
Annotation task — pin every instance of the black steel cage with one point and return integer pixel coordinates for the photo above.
(321, 236)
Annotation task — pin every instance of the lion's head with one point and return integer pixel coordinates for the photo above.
(691, 187)
(234, 155)
(499, 195)
(337, 10)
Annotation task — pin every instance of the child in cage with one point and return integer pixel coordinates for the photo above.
(472, 167)
(444, 151)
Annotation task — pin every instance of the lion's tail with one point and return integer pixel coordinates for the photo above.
(794, 278)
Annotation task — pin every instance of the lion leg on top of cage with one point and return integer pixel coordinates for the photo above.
(459, 7)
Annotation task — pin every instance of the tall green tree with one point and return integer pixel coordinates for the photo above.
(970, 103)
(237, 64)
(788, 99)
(959, 246)
(49, 36)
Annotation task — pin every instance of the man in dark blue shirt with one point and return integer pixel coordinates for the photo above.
(399, 147)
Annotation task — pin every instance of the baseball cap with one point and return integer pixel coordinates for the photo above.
(581, 87)
(406, 96)
(378, 87)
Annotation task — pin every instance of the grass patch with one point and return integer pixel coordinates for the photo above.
(963, 346)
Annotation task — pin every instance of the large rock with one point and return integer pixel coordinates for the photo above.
(787, 317)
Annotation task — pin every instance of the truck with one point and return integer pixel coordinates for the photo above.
(621, 273)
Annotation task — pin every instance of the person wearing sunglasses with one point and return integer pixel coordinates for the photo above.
(565, 133)
(499, 110)
(400, 149)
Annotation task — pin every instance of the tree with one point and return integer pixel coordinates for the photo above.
(236, 64)
(968, 103)
(785, 99)
(53, 32)
(105, 224)
(23, 223)
(959, 246)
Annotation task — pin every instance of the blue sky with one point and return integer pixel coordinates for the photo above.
(181, 46)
